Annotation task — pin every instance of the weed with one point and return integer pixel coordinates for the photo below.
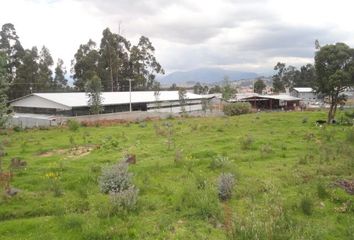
(219, 162)
(246, 142)
(71, 222)
(73, 125)
(321, 191)
(306, 205)
(266, 150)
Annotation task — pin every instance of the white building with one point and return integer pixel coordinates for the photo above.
(76, 103)
(307, 94)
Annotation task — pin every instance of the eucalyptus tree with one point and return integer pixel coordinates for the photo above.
(334, 65)
(144, 64)
(85, 64)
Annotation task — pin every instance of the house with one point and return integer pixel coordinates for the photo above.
(271, 102)
(76, 103)
(307, 94)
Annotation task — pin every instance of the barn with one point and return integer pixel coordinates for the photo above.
(270, 102)
(76, 103)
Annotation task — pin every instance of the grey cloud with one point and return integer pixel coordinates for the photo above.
(196, 37)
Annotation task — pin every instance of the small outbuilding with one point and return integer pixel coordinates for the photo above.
(76, 103)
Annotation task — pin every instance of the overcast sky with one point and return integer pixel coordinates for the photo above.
(245, 35)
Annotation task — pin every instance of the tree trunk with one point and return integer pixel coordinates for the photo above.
(330, 112)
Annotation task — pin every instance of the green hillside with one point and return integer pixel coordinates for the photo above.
(292, 180)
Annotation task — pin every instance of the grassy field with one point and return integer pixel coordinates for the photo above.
(287, 173)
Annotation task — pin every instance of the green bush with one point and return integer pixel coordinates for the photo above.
(306, 205)
(237, 108)
(73, 125)
(202, 203)
(321, 191)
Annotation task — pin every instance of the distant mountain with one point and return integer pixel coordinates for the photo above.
(204, 75)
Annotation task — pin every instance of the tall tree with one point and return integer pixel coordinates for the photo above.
(199, 89)
(259, 86)
(11, 46)
(278, 83)
(60, 82)
(114, 60)
(334, 65)
(27, 76)
(307, 76)
(93, 89)
(215, 89)
(45, 78)
(85, 64)
(144, 64)
(3, 90)
(227, 90)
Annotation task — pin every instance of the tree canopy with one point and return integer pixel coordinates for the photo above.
(259, 86)
(116, 61)
(334, 65)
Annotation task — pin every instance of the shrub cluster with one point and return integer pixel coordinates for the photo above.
(124, 199)
(117, 181)
(225, 186)
(237, 108)
(115, 178)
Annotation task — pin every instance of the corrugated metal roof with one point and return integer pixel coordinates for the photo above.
(278, 97)
(80, 99)
(281, 97)
(304, 89)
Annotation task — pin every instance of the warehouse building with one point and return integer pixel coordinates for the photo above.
(76, 103)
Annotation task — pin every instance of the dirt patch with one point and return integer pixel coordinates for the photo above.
(52, 153)
(79, 151)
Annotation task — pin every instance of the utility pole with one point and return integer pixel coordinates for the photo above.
(130, 94)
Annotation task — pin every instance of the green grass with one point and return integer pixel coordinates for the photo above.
(286, 162)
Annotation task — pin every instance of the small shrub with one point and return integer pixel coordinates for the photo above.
(266, 150)
(237, 108)
(219, 162)
(306, 205)
(115, 178)
(124, 200)
(246, 142)
(305, 120)
(200, 202)
(17, 129)
(73, 125)
(225, 186)
(321, 191)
